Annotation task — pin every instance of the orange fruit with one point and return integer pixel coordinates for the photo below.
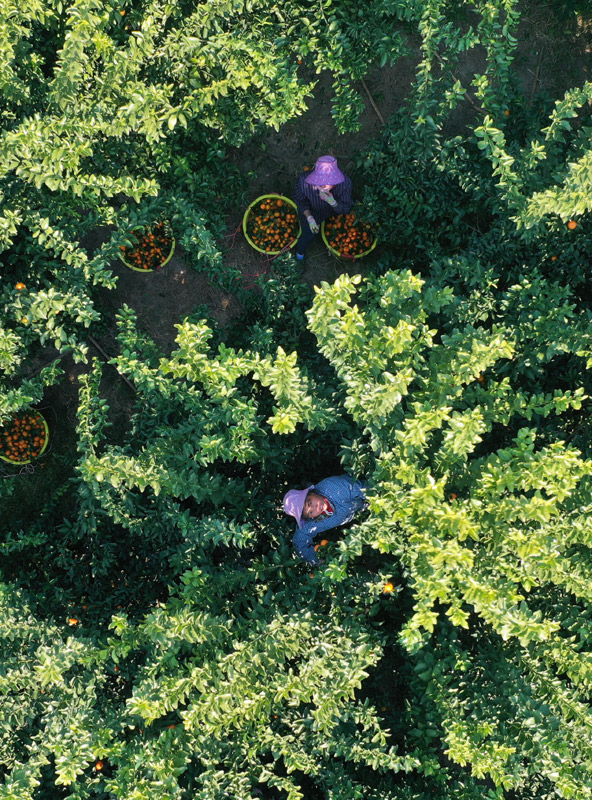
(572, 224)
(388, 587)
(507, 112)
(99, 765)
(553, 258)
(72, 621)
(453, 495)
(20, 286)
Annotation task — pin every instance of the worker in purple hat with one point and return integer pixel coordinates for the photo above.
(319, 194)
(331, 502)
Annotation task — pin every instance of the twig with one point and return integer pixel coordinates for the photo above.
(474, 103)
(255, 275)
(372, 103)
(53, 361)
(27, 469)
(536, 75)
(106, 357)
(282, 252)
(234, 235)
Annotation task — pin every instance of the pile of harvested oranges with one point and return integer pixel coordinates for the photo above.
(348, 235)
(23, 438)
(272, 224)
(152, 249)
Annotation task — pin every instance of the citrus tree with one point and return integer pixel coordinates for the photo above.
(114, 115)
(158, 636)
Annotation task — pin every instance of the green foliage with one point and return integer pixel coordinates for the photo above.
(477, 534)
(158, 638)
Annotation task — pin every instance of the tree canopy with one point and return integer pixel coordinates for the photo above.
(158, 636)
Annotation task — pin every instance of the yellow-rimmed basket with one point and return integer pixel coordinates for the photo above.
(18, 462)
(346, 255)
(247, 213)
(155, 269)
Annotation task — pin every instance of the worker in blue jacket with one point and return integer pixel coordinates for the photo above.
(331, 502)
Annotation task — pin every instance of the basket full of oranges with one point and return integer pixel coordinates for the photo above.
(348, 236)
(270, 224)
(24, 438)
(152, 250)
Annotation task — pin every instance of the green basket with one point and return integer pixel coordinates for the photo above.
(43, 447)
(246, 217)
(160, 266)
(344, 255)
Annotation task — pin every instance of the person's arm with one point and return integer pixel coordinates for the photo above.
(303, 545)
(300, 197)
(304, 535)
(359, 494)
(303, 204)
(342, 194)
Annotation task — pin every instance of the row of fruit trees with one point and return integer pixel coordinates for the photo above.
(158, 637)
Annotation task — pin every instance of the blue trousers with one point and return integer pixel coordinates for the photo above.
(306, 235)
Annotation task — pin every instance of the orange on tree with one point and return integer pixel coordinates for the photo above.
(572, 225)
(322, 543)
(20, 286)
(388, 588)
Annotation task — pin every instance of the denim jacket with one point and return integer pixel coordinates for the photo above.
(346, 497)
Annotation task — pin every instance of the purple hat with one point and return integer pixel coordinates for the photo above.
(294, 502)
(325, 172)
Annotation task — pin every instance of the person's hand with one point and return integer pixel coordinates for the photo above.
(327, 197)
(312, 224)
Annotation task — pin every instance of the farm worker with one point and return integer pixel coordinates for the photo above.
(327, 504)
(319, 194)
